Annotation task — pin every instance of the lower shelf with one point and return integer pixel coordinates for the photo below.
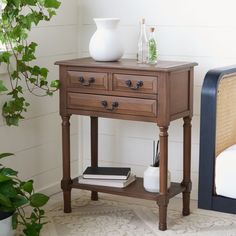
(135, 189)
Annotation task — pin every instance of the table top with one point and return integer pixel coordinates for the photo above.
(166, 66)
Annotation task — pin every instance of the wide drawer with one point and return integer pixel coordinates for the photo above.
(87, 80)
(119, 105)
(134, 83)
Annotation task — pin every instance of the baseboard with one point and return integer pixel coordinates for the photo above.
(51, 189)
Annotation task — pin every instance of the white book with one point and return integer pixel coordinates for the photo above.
(119, 183)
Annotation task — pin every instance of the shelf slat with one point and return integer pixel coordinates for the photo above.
(135, 189)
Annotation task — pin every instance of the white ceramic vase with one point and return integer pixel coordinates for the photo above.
(6, 227)
(151, 179)
(105, 44)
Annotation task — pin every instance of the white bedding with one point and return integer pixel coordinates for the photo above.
(225, 173)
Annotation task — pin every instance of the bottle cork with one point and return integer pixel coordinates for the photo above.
(152, 29)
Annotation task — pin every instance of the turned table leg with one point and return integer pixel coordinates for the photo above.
(187, 166)
(163, 202)
(94, 149)
(66, 180)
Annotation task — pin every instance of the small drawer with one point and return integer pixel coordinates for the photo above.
(118, 105)
(134, 83)
(87, 80)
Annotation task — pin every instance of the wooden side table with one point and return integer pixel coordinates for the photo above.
(130, 91)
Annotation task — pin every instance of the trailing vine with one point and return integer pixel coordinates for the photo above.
(17, 17)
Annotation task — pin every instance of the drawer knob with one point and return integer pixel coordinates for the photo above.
(81, 79)
(86, 83)
(104, 103)
(138, 85)
(91, 80)
(114, 105)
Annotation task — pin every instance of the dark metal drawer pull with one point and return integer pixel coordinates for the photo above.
(138, 85)
(113, 106)
(86, 83)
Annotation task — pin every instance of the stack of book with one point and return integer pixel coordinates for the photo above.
(119, 177)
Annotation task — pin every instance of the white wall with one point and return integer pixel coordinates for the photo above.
(37, 140)
(189, 30)
(201, 31)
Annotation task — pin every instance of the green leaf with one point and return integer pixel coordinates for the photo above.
(3, 155)
(32, 80)
(5, 57)
(16, 3)
(32, 229)
(55, 84)
(33, 46)
(8, 189)
(15, 75)
(19, 89)
(19, 201)
(33, 216)
(37, 17)
(35, 70)
(19, 48)
(52, 4)
(43, 82)
(31, 2)
(15, 220)
(4, 178)
(28, 57)
(12, 120)
(14, 105)
(49, 93)
(5, 201)
(51, 13)
(44, 72)
(6, 209)
(28, 186)
(21, 66)
(2, 87)
(38, 200)
(8, 171)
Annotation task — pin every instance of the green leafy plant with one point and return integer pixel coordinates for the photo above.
(152, 51)
(15, 194)
(16, 20)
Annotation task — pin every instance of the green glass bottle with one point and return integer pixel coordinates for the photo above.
(152, 47)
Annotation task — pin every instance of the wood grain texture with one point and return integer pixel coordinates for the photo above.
(187, 166)
(149, 84)
(94, 149)
(179, 97)
(100, 80)
(130, 64)
(131, 91)
(129, 106)
(163, 178)
(66, 180)
(135, 189)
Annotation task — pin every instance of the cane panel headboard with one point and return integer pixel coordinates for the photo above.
(226, 114)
